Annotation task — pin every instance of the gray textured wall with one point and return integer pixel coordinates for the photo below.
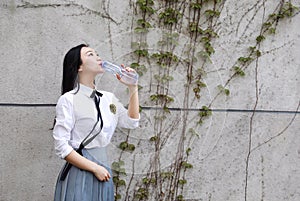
(238, 155)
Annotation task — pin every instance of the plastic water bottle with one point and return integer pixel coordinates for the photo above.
(130, 78)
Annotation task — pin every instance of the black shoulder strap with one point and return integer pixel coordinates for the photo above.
(86, 140)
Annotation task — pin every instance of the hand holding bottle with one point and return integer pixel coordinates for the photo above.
(126, 75)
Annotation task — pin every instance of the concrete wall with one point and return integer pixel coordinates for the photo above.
(236, 155)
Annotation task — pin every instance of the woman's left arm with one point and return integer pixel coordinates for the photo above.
(133, 107)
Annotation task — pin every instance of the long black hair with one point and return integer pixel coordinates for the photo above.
(72, 62)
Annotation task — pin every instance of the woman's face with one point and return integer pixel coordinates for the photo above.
(91, 62)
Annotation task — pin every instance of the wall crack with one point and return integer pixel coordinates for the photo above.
(86, 10)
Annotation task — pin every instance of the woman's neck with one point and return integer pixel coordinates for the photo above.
(87, 81)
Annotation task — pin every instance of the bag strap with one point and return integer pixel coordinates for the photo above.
(86, 140)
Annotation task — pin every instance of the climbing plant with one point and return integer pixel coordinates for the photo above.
(198, 20)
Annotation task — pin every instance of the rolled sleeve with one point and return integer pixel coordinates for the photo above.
(63, 127)
(127, 122)
(124, 121)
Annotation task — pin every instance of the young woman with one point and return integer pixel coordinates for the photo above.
(85, 122)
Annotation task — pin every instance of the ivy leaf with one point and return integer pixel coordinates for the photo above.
(223, 89)
(260, 38)
(239, 71)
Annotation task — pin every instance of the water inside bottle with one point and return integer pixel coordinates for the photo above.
(120, 73)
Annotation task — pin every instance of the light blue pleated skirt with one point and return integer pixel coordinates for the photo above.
(80, 185)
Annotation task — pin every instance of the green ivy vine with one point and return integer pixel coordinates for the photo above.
(197, 19)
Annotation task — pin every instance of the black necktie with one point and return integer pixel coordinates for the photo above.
(96, 92)
(97, 103)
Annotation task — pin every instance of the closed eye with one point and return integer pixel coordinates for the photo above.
(90, 53)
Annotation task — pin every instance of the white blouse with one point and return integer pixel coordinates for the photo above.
(76, 115)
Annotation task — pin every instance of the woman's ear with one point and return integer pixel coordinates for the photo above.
(80, 68)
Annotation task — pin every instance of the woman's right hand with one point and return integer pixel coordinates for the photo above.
(83, 163)
(101, 173)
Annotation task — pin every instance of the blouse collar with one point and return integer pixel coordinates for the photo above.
(89, 91)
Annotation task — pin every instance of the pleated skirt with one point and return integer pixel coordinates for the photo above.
(81, 185)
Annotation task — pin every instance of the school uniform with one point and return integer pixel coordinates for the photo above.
(76, 117)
